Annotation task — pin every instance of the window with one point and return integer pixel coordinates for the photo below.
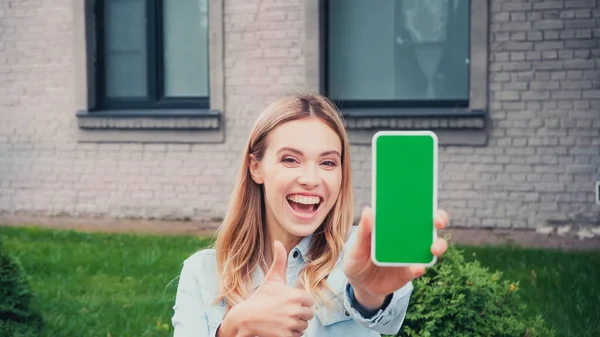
(397, 53)
(152, 54)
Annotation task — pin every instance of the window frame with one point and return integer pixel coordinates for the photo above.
(458, 126)
(155, 66)
(196, 125)
(381, 103)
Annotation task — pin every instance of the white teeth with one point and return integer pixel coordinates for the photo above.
(303, 199)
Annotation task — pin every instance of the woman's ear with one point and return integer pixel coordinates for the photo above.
(254, 167)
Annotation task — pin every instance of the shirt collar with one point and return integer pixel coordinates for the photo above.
(304, 246)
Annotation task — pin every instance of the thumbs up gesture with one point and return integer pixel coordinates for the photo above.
(277, 272)
(275, 309)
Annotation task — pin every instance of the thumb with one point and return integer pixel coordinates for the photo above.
(278, 268)
(365, 227)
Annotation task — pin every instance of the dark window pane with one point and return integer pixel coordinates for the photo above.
(186, 48)
(125, 48)
(398, 49)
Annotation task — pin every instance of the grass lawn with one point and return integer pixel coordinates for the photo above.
(124, 285)
(563, 287)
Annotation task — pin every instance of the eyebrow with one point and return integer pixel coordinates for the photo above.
(291, 149)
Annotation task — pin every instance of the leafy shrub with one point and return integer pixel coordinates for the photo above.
(17, 319)
(459, 298)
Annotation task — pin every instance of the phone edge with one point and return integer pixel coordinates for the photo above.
(373, 190)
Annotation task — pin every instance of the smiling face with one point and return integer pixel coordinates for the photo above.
(301, 173)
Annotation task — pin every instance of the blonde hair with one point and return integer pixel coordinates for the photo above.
(241, 238)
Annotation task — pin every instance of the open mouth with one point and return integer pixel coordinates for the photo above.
(304, 204)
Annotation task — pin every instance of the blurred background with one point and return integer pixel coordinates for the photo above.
(128, 117)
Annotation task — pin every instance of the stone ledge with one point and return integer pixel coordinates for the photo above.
(414, 118)
(474, 236)
(456, 123)
(453, 126)
(150, 120)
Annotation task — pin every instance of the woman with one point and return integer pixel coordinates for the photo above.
(287, 261)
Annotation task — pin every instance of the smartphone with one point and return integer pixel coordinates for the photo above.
(404, 197)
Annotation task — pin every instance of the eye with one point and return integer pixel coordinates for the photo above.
(289, 160)
(330, 163)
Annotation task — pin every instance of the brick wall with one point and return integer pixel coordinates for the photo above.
(36, 148)
(544, 152)
(543, 155)
(541, 161)
(45, 170)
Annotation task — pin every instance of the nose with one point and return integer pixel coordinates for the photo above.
(309, 176)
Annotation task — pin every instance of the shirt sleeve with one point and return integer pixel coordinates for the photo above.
(189, 318)
(367, 313)
(388, 319)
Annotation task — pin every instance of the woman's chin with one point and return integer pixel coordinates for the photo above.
(301, 229)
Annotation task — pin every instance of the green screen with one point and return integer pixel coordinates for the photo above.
(404, 198)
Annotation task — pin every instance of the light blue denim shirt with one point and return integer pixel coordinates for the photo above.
(195, 315)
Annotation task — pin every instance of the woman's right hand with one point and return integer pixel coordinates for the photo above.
(275, 309)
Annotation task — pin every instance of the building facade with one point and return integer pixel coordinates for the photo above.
(140, 108)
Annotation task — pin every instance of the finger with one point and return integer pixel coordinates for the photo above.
(304, 313)
(298, 324)
(302, 297)
(439, 247)
(365, 227)
(277, 271)
(417, 271)
(441, 219)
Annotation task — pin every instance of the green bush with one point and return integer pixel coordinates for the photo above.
(459, 298)
(17, 319)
